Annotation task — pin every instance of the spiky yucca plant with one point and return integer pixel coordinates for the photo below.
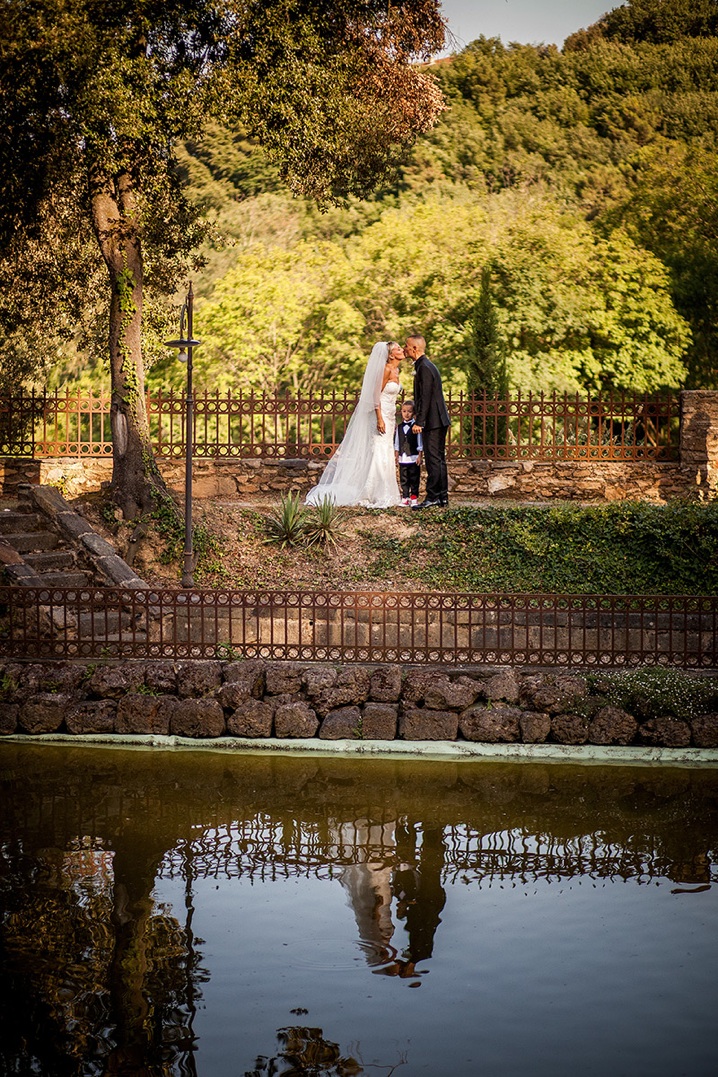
(323, 525)
(286, 526)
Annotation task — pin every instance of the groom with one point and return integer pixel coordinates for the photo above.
(432, 422)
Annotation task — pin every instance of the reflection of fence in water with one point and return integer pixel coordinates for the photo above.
(521, 857)
(261, 849)
(360, 626)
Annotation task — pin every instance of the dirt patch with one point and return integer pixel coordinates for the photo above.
(235, 554)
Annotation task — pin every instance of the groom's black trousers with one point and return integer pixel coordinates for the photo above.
(437, 479)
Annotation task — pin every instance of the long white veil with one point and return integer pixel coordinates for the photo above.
(345, 475)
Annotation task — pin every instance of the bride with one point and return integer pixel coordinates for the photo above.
(362, 471)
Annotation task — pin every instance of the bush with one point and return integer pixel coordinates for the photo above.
(620, 548)
(657, 692)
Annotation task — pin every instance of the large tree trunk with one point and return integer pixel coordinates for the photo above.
(135, 477)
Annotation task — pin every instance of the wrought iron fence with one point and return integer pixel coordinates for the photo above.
(448, 628)
(518, 427)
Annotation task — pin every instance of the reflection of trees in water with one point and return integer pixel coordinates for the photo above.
(99, 979)
(305, 1051)
(94, 973)
(56, 953)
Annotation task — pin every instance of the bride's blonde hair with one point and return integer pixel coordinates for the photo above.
(389, 345)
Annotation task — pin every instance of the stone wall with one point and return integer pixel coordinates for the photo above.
(696, 470)
(699, 439)
(469, 479)
(261, 700)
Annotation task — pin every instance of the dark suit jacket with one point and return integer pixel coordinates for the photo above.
(429, 404)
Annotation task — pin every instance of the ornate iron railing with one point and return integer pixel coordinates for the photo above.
(448, 628)
(252, 425)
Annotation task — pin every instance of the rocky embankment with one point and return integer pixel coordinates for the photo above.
(256, 699)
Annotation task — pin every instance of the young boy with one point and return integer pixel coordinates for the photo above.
(408, 448)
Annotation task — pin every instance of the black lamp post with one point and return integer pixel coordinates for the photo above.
(186, 344)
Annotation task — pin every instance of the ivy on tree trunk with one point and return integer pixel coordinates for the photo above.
(95, 98)
(135, 476)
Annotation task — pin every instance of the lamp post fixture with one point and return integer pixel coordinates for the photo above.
(186, 344)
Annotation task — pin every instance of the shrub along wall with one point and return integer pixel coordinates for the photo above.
(255, 699)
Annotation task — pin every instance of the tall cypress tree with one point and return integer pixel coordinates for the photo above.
(485, 365)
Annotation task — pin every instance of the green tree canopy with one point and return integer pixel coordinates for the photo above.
(673, 210)
(94, 99)
(594, 124)
(577, 310)
(585, 177)
(269, 316)
(657, 21)
(485, 356)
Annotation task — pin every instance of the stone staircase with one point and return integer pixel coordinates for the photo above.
(46, 545)
(43, 559)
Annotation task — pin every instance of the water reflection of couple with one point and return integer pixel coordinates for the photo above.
(362, 471)
(411, 876)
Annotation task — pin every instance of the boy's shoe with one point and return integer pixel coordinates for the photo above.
(406, 501)
(412, 500)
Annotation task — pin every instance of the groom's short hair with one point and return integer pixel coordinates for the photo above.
(419, 340)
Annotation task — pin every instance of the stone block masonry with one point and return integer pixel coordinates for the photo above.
(283, 700)
(527, 480)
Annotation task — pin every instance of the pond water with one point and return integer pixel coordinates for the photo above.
(205, 913)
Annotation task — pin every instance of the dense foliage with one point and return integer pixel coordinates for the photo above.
(96, 98)
(585, 180)
(620, 548)
(582, 182)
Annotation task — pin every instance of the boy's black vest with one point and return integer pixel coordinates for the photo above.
(408, 440)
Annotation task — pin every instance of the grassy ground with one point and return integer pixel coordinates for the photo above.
(620, 547)
(617, 548)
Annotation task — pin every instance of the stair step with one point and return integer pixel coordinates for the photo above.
(100, 623)
(113, 637)
(50, 560)
(66, 579)
(113, 646)
(24, 542)
(19, 521)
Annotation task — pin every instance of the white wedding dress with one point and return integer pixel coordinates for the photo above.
(362, 471)
(381, 489)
